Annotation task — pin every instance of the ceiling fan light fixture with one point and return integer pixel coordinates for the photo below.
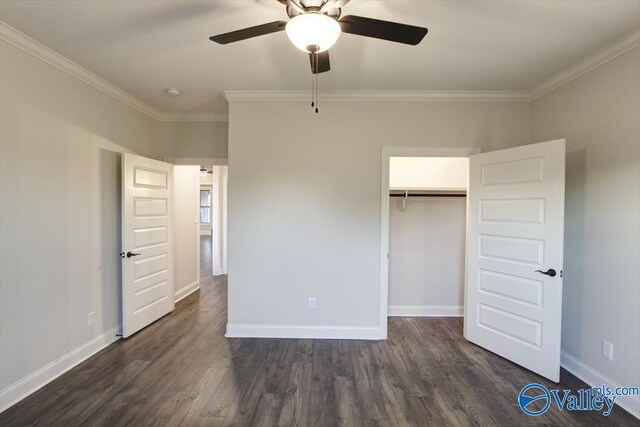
(313, 30)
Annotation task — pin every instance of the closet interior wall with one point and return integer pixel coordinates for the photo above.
(427, 238)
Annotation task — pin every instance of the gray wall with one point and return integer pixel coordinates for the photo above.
(304, 199)
(60, 146)
(194, 139)
(427, 253)
(599, 114)
(186, 229)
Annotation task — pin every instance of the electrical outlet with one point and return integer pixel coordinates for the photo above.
(91, 318)
(607, 350)
(312, 303)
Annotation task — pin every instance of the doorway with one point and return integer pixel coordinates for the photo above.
(211, 211)
(427, 234)
(418, 189)
(213, 218)
(514, 248)
(205, 220)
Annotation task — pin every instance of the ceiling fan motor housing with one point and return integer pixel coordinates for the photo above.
(312, 6)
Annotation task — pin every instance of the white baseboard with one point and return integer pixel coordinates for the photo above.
(186, 291)
(31, 383)
(595, 379)
(294, 331)
(425, 311)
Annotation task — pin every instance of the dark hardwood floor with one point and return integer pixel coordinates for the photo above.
(182, 371)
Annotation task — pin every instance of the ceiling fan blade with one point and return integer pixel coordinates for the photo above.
(323, 62)
(340, 3)
(248, 33)
(385, 30)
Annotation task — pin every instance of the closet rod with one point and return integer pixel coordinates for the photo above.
(427, 195)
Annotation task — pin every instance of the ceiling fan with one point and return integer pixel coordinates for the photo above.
(315, 25)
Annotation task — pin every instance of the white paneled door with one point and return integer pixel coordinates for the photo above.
(147, 279)
(513, 303)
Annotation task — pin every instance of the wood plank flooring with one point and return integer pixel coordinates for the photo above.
(181, 371)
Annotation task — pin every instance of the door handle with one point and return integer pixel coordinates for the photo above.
(130, 254)
(550, 272)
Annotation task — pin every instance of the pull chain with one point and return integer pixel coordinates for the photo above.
(315, 64)
(313, 99)
(317, 92)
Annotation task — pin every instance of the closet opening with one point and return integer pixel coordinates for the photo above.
(424, 221)
(427, 227)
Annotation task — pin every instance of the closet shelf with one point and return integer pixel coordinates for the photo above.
(426, 193)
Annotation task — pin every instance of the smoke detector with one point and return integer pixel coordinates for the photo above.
(173, 92)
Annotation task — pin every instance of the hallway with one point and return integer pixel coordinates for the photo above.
(183, 371)
(206, 260)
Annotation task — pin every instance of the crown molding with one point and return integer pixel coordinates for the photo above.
(590, 63)
(377, 96)
(192, 117)
(47, 55)
(38, 50)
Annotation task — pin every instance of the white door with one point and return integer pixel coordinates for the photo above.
(513, 302)
(147, 279)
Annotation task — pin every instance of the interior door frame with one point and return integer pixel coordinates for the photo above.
(387, 153)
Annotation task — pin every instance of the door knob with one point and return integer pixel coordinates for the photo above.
(550, 272)
(130, 254)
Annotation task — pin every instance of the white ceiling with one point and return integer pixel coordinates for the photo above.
(147, 46)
